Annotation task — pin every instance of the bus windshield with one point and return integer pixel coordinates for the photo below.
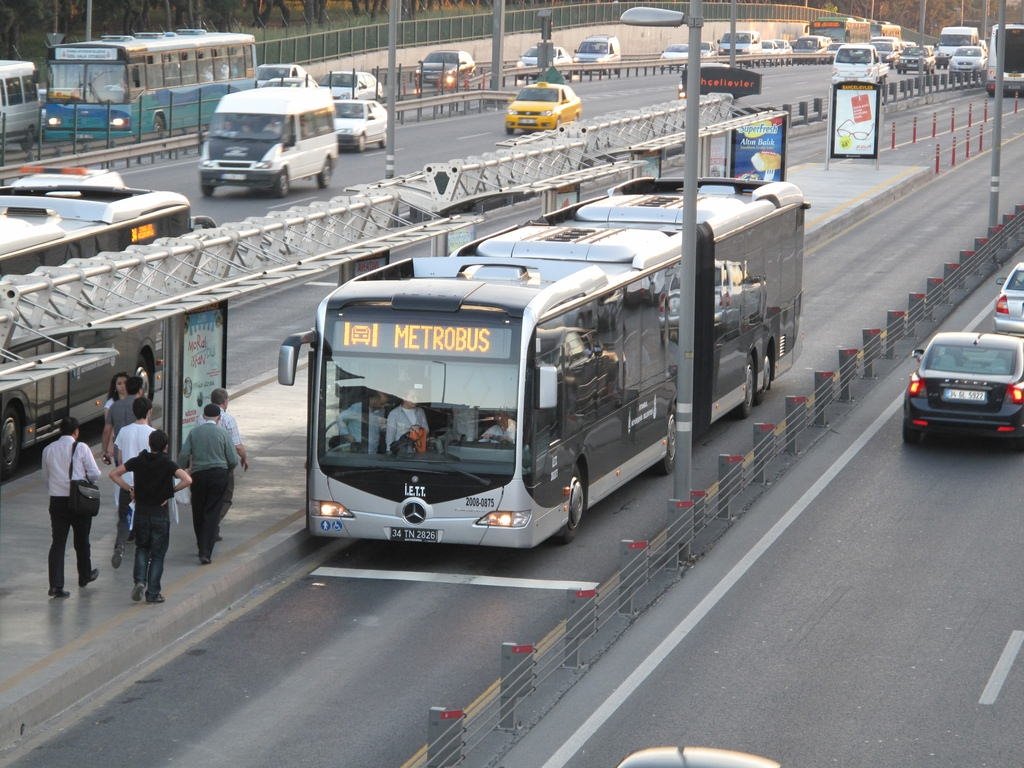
(413, 395)
(93, 83)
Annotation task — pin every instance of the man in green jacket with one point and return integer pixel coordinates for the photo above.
(209, 456)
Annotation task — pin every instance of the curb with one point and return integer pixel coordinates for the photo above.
(77, 672)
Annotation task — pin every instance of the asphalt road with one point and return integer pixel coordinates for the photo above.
(869, 622)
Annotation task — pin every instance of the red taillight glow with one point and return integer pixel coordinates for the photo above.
(1002, 307)
(1016, 393)
(916, 386)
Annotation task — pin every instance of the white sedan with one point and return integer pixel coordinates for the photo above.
(559, 58)
(968, 58)
(358, 122)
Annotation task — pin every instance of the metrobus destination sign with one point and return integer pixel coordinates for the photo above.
(734, 80)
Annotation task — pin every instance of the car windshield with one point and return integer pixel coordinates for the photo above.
(230, 125)
(442, 57)
(975, 359)
(677, 48)
(853, 56)
(338, 79)
(913, 51)
(530, 53)
(349, 109)
(883, 47)
(1016, 281)
(973, 52)
(593, 46)
(266, 72)
(538, 94)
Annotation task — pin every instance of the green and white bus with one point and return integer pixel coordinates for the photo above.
(128, 86)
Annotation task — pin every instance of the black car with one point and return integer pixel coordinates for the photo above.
(967, 384)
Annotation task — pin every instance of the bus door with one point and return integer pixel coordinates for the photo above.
(730, 349)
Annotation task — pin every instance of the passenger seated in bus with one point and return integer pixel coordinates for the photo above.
(353, 430)
(407, 427)
(502, 431)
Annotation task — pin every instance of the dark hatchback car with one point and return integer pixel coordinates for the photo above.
(967, 384)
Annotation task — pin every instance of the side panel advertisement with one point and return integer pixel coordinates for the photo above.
(855, 120)
(759, 150)
(204, 363)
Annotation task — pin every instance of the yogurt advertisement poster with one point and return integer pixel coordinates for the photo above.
(757, 150)
(205, 351)
(855, 120)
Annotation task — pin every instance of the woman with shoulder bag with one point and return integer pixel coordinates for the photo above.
(65, 460)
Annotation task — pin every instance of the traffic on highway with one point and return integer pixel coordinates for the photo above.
(856, 607)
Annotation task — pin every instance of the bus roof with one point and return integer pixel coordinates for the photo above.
(154, 41)
(32, 216)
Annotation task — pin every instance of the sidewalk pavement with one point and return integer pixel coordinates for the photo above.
(55, 652)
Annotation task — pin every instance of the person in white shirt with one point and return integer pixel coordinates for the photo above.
(219, 397)
(351, 425)
(503, 430)
(132, 439)
(57, 460)
(403, 418)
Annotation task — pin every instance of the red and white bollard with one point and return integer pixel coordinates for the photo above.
(935, 122)
(893, 141)
(967, 145)
(970, 114)
(936, 159)
(913, 137)
(952, 119)
(952, 163)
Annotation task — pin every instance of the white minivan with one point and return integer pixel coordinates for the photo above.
(746, 41)
(19, 101)
(266, 138)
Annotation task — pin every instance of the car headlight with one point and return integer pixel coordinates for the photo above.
(207, 164)
(547, 113)
(53, 122)
(261, 164)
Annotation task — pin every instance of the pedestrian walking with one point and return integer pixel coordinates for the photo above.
(131, 440)
(152, 485)
(60, 456)
(120, 415)
(208, 455)
(220, 398)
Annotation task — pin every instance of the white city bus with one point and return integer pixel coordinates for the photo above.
(1012, 39)
(542, 364)
(45, 220)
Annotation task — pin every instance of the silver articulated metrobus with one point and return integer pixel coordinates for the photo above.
(47, 219)
(492, 396)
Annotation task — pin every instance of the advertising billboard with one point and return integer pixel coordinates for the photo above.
(855, 121)
(759, 150)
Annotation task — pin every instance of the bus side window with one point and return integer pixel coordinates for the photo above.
(136, 75)
(188, 68)
(14, 96)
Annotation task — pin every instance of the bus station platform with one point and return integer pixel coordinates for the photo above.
(55, 652)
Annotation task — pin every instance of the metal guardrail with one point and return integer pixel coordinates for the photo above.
(534, 676)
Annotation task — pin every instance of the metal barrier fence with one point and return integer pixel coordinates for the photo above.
(337, 43)
(532, 676)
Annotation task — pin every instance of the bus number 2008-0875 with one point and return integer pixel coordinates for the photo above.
(473, 501)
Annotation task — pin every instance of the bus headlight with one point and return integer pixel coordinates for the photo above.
(505, 519)
(119, 122)
(328, 509)
(53, 122)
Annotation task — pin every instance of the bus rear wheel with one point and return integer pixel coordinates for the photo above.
(10, 441)
(764, 379)
(744, 409)
(576, 507)
(668, 461)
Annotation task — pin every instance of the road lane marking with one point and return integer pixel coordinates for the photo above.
(607, 708)
(451, 578)
(1002, 668)
(292, 202)
(476, 135)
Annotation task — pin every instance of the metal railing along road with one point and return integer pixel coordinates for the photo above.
(533, 675)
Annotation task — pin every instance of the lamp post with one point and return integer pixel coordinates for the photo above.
(389, 158)
(660, 17)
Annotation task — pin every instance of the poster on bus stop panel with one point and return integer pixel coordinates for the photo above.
(758, 150)
(204, 353)
(855, 120)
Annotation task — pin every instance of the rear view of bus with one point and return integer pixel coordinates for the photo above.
(1012, 40)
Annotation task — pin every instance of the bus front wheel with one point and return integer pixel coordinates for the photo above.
(576, 507)
(10, 441)
(668, 462)
(159, 123)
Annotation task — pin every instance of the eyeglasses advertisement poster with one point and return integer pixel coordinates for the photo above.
(856, 120)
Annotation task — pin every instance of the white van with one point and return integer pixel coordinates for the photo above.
(747, 41)
(19, 101)
(951, 38)
(266, 138)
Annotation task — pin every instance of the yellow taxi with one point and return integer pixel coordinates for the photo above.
(542, 107)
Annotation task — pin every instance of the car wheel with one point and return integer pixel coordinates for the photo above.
(668, 461)
(576, 507)
(324, 177)
(10, 441)
(765, 383)
(207, 189)
(744, 409)
(911, 436)
(361, 142)
(509, 131)
(282, 186)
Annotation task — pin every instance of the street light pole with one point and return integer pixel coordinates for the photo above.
(389, 158)
(686, 271)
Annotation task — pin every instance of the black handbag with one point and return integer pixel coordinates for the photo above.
(84, 498)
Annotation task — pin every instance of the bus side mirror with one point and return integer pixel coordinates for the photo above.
(288, 356)
(547, 391)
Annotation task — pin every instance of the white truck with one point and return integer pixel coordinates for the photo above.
(859, 62)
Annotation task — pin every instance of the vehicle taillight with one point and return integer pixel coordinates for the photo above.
(1016, 393)
(1002, 306)
(916, 386)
